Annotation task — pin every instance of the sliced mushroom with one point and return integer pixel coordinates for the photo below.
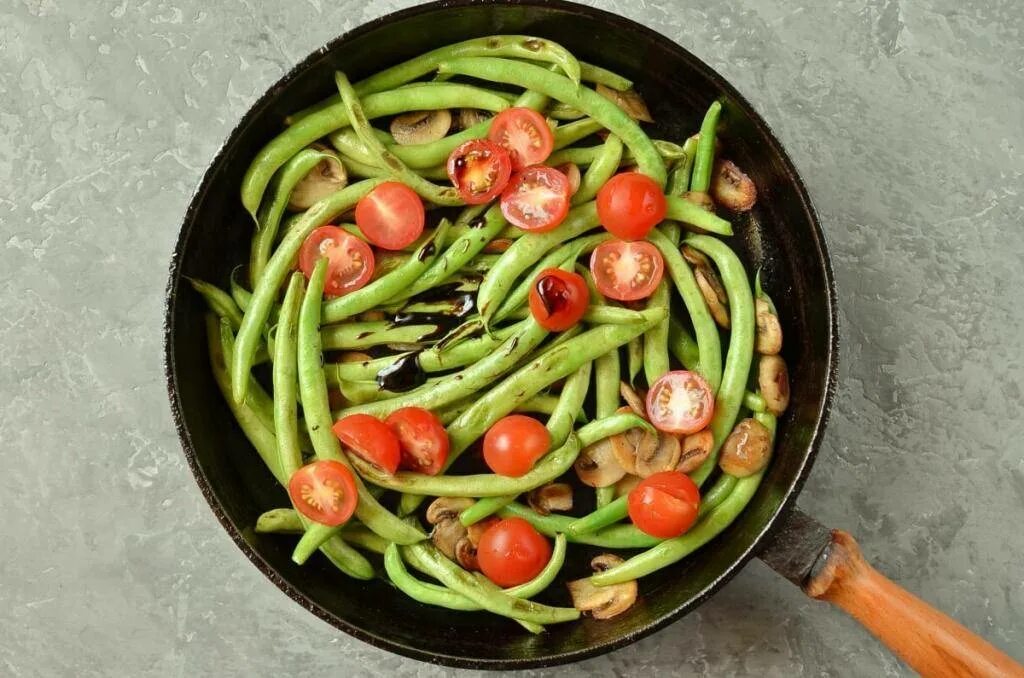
(695, 449)
(447, 508)
(550, 497)
(596, 465)
(471, 116)
(731, 187)
(626, 485)
(633, 399)
(629, 101)
(572, 172)
(710, 286)
(420, 127)
(773, 380)
(446, 536)
(663, 457)
(700, 199)
(603, 602)
(769, 331)
(465, 555)
(326, 178)
(636, 443)
(747, 449)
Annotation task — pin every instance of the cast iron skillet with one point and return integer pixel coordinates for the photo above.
(781, 236)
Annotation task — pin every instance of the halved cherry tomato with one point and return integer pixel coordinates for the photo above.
(512, 552)
(391, 216)
(536, 199)
(324, 491)
(349, 259)
(371, 439)
(558, 299)
(680, 402)
(526, 135)
(665, 504)
(514, 444)
(480, 170)
(629, 205)
(422, 437)
(626, 271)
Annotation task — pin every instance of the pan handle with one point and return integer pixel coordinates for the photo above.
(828, 565)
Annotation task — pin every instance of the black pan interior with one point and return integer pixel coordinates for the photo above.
(781, 236)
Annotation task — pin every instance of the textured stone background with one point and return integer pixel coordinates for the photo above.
(905, 117)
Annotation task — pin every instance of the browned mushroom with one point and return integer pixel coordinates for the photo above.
(629, 101)
(447, 508)
(747, 449)
(773, 380)
(327, 177)
(465, 555)
(446, 536)
(550, 497)
(710, 286)
(663, 457)
(631, 444)
(731, 188)
(626, 485)
(572, 172)
(471, 116)
(420, 127)
(603, 602)
(696, 448)
(477, 529)
(700, 199)
(449, 535)
(633, 399)
(596, 465)
(769, 331)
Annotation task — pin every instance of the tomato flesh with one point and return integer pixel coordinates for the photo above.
(626, 271)
(514, 444)
(526, 135)
(680, 402)
(422, 438)
(391, 216)
(536, 199)
(371, 439)
(630, 204)
(512, 552)
(664, 504)
(324, 491)
(350, 261)
(558, 299)
(479, 170)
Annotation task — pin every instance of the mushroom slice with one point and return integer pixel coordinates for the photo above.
(596, 465)
(710, 286)
(572, 172)
(447, 508)
(769, 331)
(446, 536)
(694, 451)
(773, 380)
(626, 485)
(471, 116)
(603, 602)
(632, 445)
(633, 399)
(731, 187)
(550, 497)
(465, 555)
(420, 127)
(327, 177)
(629, 101)
(747, 449)
(664, 456)
(700, 199)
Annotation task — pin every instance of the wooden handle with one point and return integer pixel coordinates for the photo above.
(929, 641)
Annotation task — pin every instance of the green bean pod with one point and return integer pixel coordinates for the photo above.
(602, 517)
(607, 374)
(602, 76)
(634, 358)
(219, 301)
(680, 209)
(601, 170)
(625, 536)
(722, 488)
(679, 177)
(682, 345)
(656, 361)
(604, 495)
(704, 160)
(578, 156)
(279, 521)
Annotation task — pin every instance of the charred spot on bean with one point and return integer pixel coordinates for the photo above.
(534, 45)
(402, 375)
(477, 222)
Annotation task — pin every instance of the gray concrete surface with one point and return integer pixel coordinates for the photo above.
(905, 116)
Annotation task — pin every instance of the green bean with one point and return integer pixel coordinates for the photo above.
(347, 559)
(415, 156)
(422, 592)
(602, 517)
(722, 488)
(431, 96)
(525, 252)
(361, 170)
(578, 156)
(607, 374)
(385, 288)
(385, 158)
(286, 379)
(601, 170)
(634, 358)
(313, 390)
(704, 159)
(602, 76)
(219, 301)
(704, 327)
(547, 575)
(656, 340)
(268, 218)
(753, 402)
(564, 90)
(560, 111)
(671, 231)
(615, 537)
(279, 521)
(741, 344)
(679, 177)
(282, 261)
(682, 345)
(680, 209)
(351, 336)
(673, 550)
(604, 495)
(567, 135)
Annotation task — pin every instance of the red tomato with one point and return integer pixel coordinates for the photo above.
(536, 199)
(422, 437)
(526, 135)
(514, 444)
(626, 271)
(629, 205)
(480, 170)
(558, 299)
(680, 402)
(391, 216)
(349, 259)
(665, 504)
(370, 438)
(512, 552)
(324, 492)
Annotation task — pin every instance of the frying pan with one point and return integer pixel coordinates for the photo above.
(781, 236)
